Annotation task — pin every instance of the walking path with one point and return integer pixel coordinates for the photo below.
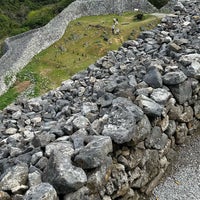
(183, 182)
(162, 15)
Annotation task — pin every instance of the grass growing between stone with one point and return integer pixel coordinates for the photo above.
(85, 40)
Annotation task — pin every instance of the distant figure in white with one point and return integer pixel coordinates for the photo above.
(115, 20)
(115, 30)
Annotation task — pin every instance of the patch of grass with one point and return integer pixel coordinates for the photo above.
(8, 98)
(85, 40)
(17, 16)
(83, 43)
(39, 17)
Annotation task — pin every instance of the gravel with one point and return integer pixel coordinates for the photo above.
(183, 183)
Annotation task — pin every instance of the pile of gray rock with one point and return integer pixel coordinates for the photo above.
(110, 131)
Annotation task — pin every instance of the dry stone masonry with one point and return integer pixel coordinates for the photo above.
(110, 131)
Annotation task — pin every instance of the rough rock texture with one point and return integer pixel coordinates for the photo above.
(114, 138)
(43, 191)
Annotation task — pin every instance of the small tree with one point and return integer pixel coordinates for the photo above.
(139, 16)
(158, 3)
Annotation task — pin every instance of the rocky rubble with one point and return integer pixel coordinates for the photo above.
(110, 131)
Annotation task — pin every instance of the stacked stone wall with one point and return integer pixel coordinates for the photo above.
(111, 131)
(22, 48)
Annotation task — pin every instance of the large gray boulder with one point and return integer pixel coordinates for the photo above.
(149, 106)
(94, 153)
(182, 92)
(15, 178)
(191, 63)
(157, 139)
(174, 78)
(122, 120)
(61, 173)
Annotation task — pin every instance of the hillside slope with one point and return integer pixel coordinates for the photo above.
(17, 16)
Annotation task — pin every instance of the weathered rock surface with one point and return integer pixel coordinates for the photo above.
(94, 153)
(61, 173)
(15, 178)
(43, 191)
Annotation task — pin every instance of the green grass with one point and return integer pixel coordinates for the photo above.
(17, 16)
(82, 44)
(8, 98)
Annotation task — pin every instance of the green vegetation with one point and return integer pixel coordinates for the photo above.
(17, 16)
(85, 40)
(8, 98)
(158, 3)
(8, 79)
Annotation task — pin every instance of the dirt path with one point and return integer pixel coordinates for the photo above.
(161, 15)
(183, 183)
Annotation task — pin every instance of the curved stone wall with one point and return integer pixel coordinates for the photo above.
(22, 48)
(110, 131)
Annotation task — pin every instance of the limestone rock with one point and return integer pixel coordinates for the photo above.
(79, 138)
(174, 78)
(62, 174)
(179, 7)
(105, 100)
(94, 153)
(187, 115)
(137, 96)
(65, 146)
(149, 106)
(174, 47)
(181, 133)
(147, 34)
(98, 178)
(143, 129)
(11, 131)
(14, 178)
(197, 109)
(157, 139)
(34, 178)
(153, 78)
(191, 62)
(80, 122)
(81, 194)
(43, 191)
(42, 139)
(122, 119)
(130, 106)
(4, 196)
(160, 95)
(171, 129)
(182, 92)
(120, 176)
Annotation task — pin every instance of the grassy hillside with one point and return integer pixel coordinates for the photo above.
(85, 40)
(17, 16)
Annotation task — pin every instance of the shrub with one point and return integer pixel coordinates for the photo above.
(158, 3)
(39, 17)
(139, 16)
